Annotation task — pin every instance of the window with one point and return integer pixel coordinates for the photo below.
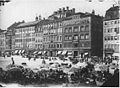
(57, 45)
(70, 37)
(66, 30)
(115, 37)
(82, 36)
(82, 28)
(76, 29)
(87, 28)
(75, 44)
(112, 38)
(116, 30)
(86, 36)
(70, 29)
(75, 37)
(60, 38)
(66, 37)
(60, 45)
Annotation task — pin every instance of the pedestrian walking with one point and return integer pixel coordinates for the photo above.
(12, 61)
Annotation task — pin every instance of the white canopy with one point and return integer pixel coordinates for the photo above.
(20, 51)
(23, 51)
(59, 52)
(16, 51)
(40, 52)
(64, 52)
(35, 52)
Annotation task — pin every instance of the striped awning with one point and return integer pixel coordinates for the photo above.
(16, 51)
(23, 51)
(20, 51)
(35, 52)
(44, 52)
(59, 52)
(70, 53)
(64, 52)
(40, 52)
(86, 53)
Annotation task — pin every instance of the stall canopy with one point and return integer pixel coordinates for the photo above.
(20, 51)
(70, 53)
(86, 53)
(116, 54)
(35, 52)
(64, 52)
(59, 52)
(16, 51)
(40, 52)
(44, 52)
(23, 51)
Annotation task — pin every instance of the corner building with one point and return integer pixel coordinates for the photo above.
(25, 36)
(111, 33)
(82, 34)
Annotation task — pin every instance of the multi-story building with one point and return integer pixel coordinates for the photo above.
(52, 36)
(111, 33)
(52, 31)
(25, 36)
(82, 34)
(39, 36)
(2, 41)
(10, 36)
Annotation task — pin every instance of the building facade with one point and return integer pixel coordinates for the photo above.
(25, 36)
(111, 26)
(2, 41)
(83, 34)
(10, 36)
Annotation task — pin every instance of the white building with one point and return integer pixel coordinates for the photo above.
(111, 32)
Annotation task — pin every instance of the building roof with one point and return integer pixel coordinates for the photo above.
(32, 23)
(112, 13)
(14, 25)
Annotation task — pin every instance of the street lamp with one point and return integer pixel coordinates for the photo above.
(2, 2)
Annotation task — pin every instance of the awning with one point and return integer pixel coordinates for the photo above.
(40, 52)
(70, 53)
(16, 51)
(86, 53)
(44, 52)
(64, 52)
(20, 51)
(35, 52)
(59, 52)
(116, 54)
(23, 51)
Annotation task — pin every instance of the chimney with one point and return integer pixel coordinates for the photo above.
(93, 12)
(36, 18)
(60, 10)
(39, 17)
(67, 8)
(63, 10)
(73, 10)
(44, 18)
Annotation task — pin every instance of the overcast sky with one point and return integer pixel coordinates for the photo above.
(18, 10)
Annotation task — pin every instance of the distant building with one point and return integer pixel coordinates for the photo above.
(82, 34)
(25, 36)
(2, 41)
(111, 33)
(10, 36)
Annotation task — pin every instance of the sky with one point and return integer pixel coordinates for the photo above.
(27, 10)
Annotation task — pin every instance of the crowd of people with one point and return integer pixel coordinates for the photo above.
(90, 71)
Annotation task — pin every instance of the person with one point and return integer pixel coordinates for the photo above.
(43, 62)
(4, 55)
(12, 61)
